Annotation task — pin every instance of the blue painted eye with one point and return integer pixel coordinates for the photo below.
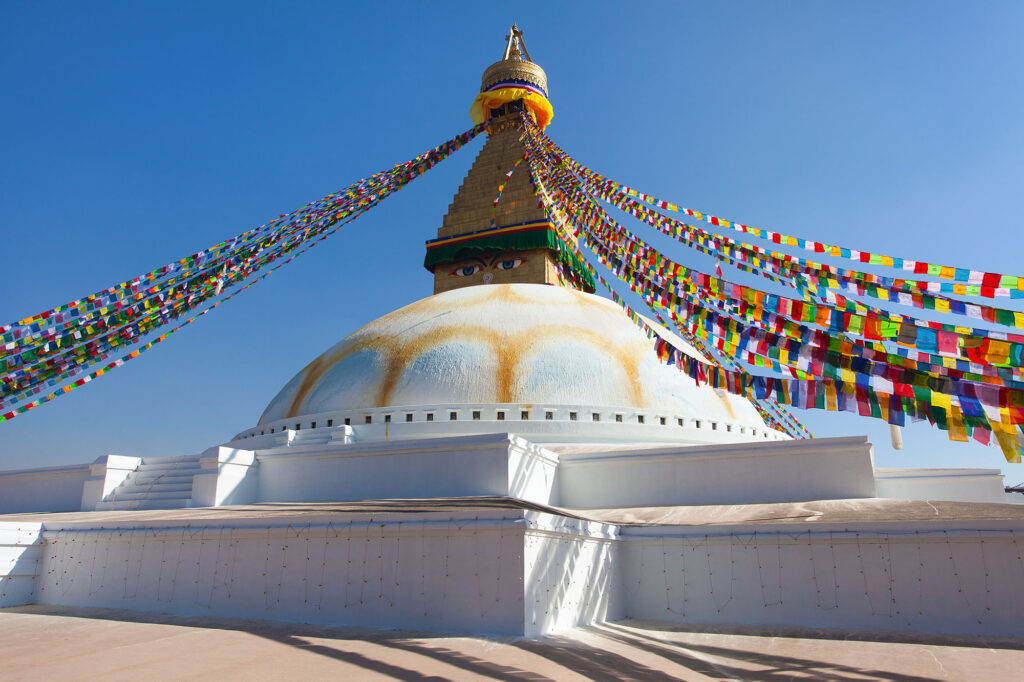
(510, 264)
(467, 271)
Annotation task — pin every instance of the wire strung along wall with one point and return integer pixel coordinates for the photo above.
(465, 572)
(854, 578)
(443, 571)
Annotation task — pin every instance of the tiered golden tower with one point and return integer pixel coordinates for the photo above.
(480, 242)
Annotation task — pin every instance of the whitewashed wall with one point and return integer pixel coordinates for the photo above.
(46, 489)
(488, 571)
(527, 573)
(571, 574)
(21, 554)
(442, 573)
(748, 473)
(911, 578)
(957, 485)
(494, 464)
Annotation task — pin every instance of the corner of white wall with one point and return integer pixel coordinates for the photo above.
(21, 551)
(229, 476)
(106, 473)
(532, 472)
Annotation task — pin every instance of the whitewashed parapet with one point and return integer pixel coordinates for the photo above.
(105, 474)
(542, 422)
(228, 476)
(955, 485)
(500, 464)
(888, 575)
(458, 571)
(730, 473)
(21, 548)
(44, 489)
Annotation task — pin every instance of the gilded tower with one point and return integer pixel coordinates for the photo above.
(511, 241)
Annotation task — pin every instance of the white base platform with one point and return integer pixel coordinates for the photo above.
(498, 566)
(329, 464)
(497, 569)
(493, 533)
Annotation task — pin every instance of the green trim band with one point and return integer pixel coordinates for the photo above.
(541, 237)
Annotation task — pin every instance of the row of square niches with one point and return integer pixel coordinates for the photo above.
(506, 415)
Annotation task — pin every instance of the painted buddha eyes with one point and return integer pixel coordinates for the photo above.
(496, 264)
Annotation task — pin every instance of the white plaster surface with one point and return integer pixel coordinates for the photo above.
(106, 473)
(572, 575)
(905, 576)
(539, 422)
(526, 343)
(21, 554)
(505, 567)
(748, 473)
(45, 489)
(228, 476)
(962, 485)
(490, 464)
(455, 571)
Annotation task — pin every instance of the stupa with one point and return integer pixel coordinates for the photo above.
(509, 456)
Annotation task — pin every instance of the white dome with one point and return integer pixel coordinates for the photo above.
(501, 344)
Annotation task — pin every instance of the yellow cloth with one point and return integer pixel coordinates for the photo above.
(538, 105)
(1010, 447)
(955, 422)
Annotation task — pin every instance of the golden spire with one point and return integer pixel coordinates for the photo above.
(495, 232)
(515, 66)
(516, 47)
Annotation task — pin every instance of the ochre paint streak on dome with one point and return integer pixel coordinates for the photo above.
(510, 350)
(499, 344)
(728, 406)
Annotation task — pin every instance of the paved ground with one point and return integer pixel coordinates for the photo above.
(47, 643)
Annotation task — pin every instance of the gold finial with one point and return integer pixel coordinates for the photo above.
(516, 48)
(515, 65)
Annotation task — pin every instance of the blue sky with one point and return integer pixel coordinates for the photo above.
(135, 133)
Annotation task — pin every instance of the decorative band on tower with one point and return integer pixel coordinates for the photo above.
(509, 238)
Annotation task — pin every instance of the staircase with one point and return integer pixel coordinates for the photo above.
(308, 437)
(158, 483)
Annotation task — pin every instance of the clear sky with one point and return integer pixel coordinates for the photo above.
(134, 133)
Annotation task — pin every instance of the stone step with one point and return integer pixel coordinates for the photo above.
(160, 478)
(143, 475)
(169, 466)
(152, 494)
(166, 470)
(165, 460)
(318, 436)
(154, 461)
(158, 483)
(128, 505)
(169, 495)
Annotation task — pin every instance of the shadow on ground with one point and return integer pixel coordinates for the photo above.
(628, 650)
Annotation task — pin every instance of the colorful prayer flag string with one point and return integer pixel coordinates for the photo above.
(50, 348)
(833, 356)
(974, 282)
